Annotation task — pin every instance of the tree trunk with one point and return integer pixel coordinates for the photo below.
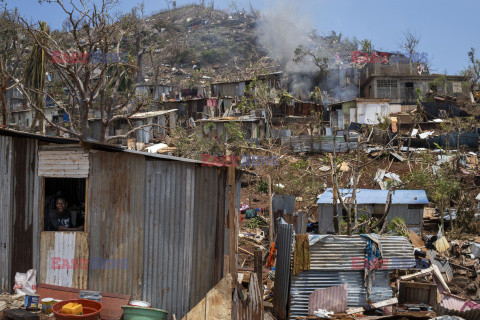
(442, 218)
(333, 163)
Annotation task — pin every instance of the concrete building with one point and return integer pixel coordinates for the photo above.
(399, 82)
(406, 204)
(360, 110)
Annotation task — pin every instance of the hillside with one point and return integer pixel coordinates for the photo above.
(195, 44)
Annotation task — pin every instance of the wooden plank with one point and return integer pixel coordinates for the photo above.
(418, 274)
(385, 303)
(216, 305)
(112, 302)
(64, 164)
(64, 259)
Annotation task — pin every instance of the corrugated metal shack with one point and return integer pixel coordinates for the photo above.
(155, 225)
(336, 260)
(406, 204)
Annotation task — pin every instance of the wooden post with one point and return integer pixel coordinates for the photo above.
(270, 211)
(232, 225)
(258, 266)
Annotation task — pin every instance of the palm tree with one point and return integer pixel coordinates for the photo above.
(35, 74)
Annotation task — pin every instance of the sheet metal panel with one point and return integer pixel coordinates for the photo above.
(333, 299)
(334, 253)
(208, 231)
(306, 282)
(115, 220)
(24, 176)
(282, 202)
(70, 163)
(282, 271)
(168, 235)
(6, 183)
(184, 234)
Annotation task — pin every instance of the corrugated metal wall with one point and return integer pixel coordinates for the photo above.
(24, 181)
(184, 235)
(305, 283)
(6, 184)
(282, 273)
(208, 231)
(168, 235)
(115, 217)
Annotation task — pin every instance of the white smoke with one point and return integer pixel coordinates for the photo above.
(282, 29)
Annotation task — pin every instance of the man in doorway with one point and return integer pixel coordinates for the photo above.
(60, 219)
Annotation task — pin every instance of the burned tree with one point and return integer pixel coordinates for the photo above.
(91, 77)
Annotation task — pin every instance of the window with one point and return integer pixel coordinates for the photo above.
(387, 83)
(456, 87)
(64, 205)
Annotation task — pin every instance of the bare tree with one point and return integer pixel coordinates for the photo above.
(12, 55)
(409, 43)
(473, 69)
(95, 79)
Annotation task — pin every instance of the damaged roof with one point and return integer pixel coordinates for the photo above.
(151, 114)
(371, 196)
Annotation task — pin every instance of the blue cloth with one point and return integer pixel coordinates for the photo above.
(373, 254)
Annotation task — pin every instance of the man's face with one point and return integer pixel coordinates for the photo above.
(61, 205)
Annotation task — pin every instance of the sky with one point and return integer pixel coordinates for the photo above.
(448, 29)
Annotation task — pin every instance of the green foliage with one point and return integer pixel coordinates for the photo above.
(234, 132)
(301, 164)
(366, 45)
(441, 187)
(384, 122)
(262, 186)
(256, 222)
(35, 68)
(465, 221)
(398, 226)
(184, 55)
(438, 83)
(244, 105)
(214, 55)
(209, 126)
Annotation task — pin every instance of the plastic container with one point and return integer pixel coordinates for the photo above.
(91, 310)
(139, 313)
